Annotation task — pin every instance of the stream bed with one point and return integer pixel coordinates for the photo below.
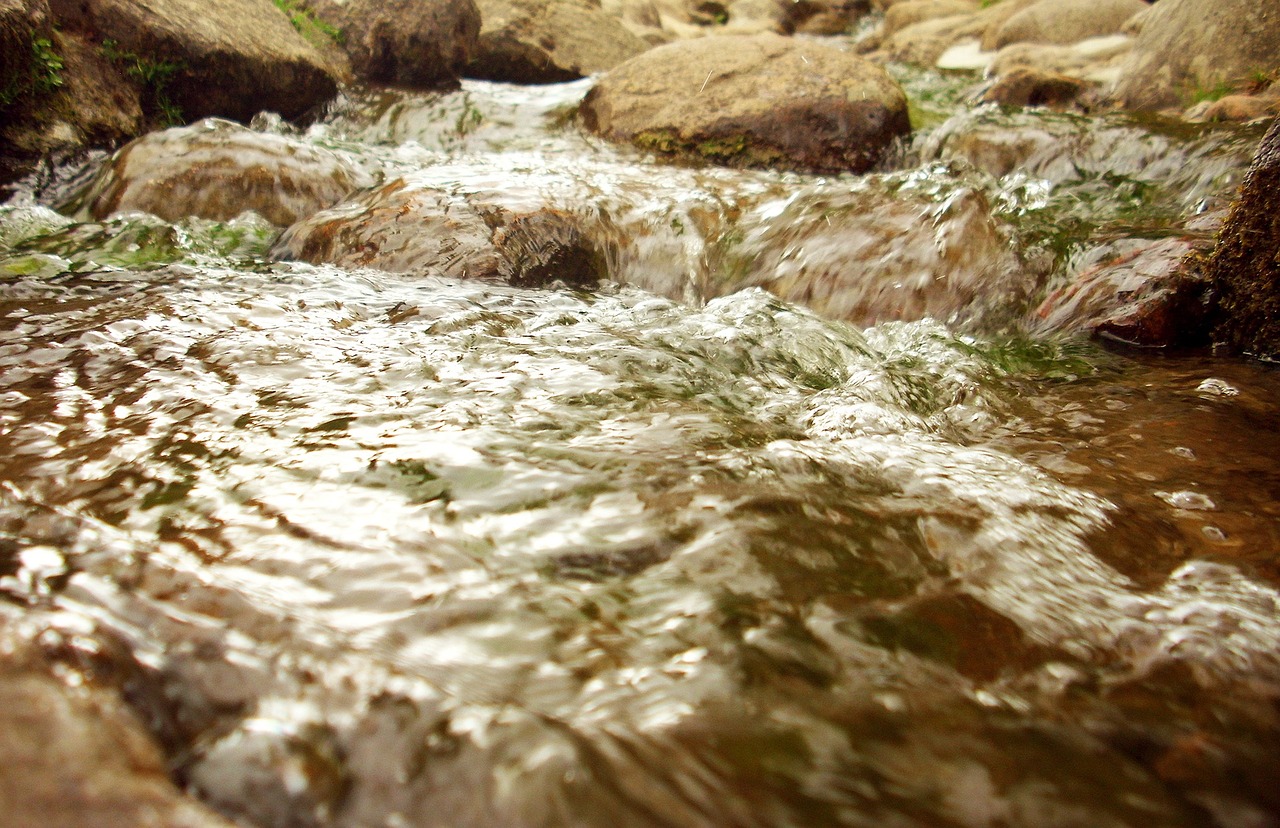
(363, 548)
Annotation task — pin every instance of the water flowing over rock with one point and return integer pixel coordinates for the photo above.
(763, 101)
(415, 44)
(405, 227)
(217, 170)
(1244, 268)
(879, 253)
(547, 41)
(1145, 297)
(1187, 48)
(230, 58)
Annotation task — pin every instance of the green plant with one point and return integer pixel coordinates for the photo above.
(153, 75)
(1216, 92)
(308, 25)
(43, 74)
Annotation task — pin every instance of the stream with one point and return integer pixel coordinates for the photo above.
(364, 548)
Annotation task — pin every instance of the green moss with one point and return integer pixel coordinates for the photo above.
(154, 76)
(731, 150)
(304, 20)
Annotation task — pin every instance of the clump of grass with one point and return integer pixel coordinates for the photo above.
(318, 32)
(153, 75)
(43, 75)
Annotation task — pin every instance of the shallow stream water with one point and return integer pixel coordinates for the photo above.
(371, 549)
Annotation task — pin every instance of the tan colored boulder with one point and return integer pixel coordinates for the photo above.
(413, 44)
(1237, 108)
(911, 12)
(412, 226)
(548, 41)
(995, 15)
(762, 101)
(218, 170)
(1067, 21)
(1097, 60)
(876, 253)
(1186, 46)
(229, 58)
(924, 43)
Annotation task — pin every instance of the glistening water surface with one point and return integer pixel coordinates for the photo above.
(372, 549)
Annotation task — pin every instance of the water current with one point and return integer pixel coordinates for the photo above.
(376, 549)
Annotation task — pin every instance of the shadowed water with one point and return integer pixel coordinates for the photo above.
(366, 549)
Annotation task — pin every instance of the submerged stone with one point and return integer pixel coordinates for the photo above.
(218, 170)
(408, 227)
(874, 255)
(762, 101)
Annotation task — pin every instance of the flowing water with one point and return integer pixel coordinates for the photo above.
(373, 549)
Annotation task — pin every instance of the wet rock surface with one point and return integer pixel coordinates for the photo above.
(217, 170)
(408, 227)
(764, 101)
(546, 41)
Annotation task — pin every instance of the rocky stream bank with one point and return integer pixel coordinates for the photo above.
(639, 412)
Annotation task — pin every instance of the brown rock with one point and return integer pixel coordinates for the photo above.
(1032, 87)
(218, 170)
(547, 41)
(409, 227)
(1145, 297)
(415, 44)
(76, 756)
(908, 13)
(1186, 46)
(1066, 21)
(761, 101)
(232, 58)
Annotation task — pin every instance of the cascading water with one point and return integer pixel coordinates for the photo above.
(387, 549)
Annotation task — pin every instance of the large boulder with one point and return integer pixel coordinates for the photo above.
(911, 12)
(218, 170)
(413, 226)
(548, 41)
(415, 44)
(1188, 47)
(231, 58)
(761, 101)
(1067, 21)
(1244, 268)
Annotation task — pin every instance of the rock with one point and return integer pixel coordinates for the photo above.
(1145, 297)
(410, 227)
(908, 13)
(1066, 21)
(76, 756)
(414, 44)
(877, 253)
(1237, 108)
(57, 92)
(1185, 46)
(825, 17)
(218, 170)
(1097, 59)
(231, 58)
(761, 101)
(548, 41)
(924, 43)
(1025, 86)
(1244, 267)
(995, 16)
